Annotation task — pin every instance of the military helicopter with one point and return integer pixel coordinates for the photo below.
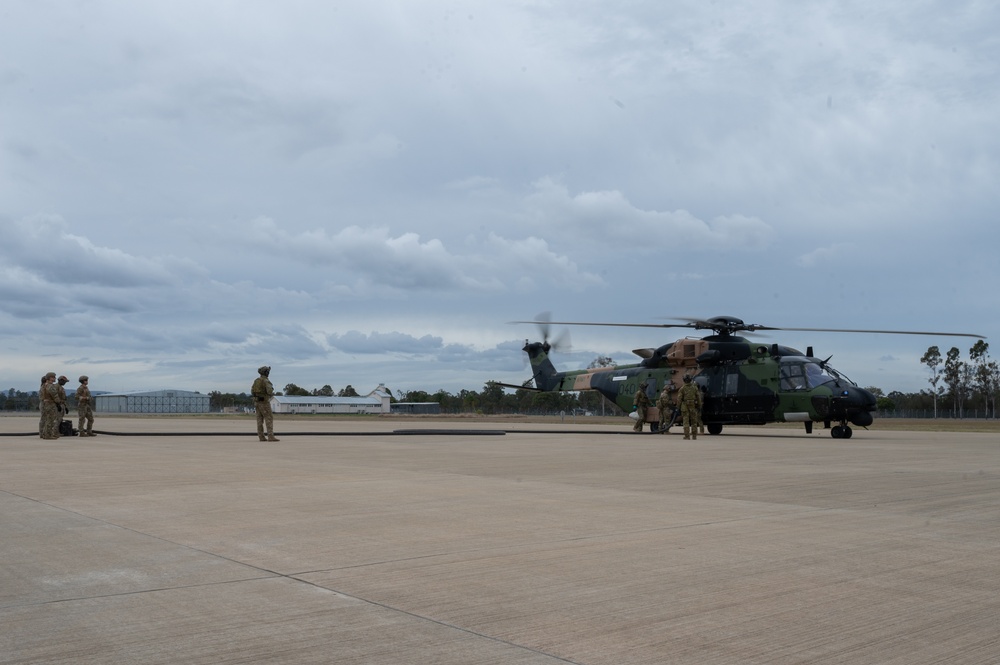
(743, 383)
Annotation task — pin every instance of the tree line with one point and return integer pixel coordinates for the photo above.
(958, 388)
(493, 399)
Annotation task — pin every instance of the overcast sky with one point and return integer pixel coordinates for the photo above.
(364, 192)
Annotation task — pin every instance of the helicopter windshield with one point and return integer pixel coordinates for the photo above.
(799, 375)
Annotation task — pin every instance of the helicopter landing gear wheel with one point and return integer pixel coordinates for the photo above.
(714, 428)
(841, 432)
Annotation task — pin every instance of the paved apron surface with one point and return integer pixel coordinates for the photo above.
(542, 547)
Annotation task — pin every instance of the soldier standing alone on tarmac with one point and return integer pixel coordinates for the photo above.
(85, 408)
(689, 399)
(640, 403)
(262, 392)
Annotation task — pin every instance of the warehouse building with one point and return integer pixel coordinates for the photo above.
(154, 401)
(376, 402)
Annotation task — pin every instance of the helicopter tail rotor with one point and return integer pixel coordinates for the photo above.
(560, 342)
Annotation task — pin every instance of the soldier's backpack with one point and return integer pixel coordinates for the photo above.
(66, 428)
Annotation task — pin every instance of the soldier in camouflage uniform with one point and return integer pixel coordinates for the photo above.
(701, 404)
(85, 408)
(665, 404)
(51, 406)
(640, 403)
(262, 392)
(64, 402)
(689, 399)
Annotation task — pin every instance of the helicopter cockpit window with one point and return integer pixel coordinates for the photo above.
(793, 377)
(803, 376)
(816, 375)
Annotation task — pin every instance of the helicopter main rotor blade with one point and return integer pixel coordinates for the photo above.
(878, 332)
(617, 325)
(702, 324)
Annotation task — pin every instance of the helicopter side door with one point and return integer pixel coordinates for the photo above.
(735, 398)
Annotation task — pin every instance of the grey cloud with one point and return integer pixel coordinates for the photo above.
(405, 262)
(609, 218)
(420, 183)
(45, 247)
(384, 343)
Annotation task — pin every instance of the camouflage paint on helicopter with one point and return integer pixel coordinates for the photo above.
(743, 383)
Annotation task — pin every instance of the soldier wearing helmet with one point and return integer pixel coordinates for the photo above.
(85, 408)
(48, 395)
(689, 400)
(640, 404)
(262, 392)
(666, 405)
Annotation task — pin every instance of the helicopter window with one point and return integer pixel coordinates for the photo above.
(793, 378)
(803, 376)
(816, 375)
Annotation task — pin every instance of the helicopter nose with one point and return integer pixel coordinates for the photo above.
(856, 405)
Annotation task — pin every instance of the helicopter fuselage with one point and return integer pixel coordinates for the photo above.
(742, 383)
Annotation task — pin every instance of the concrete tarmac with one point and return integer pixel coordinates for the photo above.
(347, 542)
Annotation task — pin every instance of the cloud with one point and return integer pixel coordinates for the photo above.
(190, 200)
(372, 258)
(394, 343)
(822, 255)
(44, 247)
(609, 218)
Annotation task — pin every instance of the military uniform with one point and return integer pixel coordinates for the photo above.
(665, 404)
(51, 408)
(85, 408)
(689, 399)
(640, 404)
(262, 392)
(697, 413)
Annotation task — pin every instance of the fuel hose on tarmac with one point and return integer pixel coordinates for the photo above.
(396, 432)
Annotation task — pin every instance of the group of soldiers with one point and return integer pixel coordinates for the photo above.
(52, 395)
(54, 405)
(688, 402)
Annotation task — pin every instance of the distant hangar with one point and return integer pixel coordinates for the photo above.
(375, 402)
(153, 401)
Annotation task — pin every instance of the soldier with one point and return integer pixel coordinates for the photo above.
(689, 399)
(262, 392)
(85, 408)
(50, 406)
(701, 403)
(63, 405)
(640, 403)
(665, 404)
(41, 415)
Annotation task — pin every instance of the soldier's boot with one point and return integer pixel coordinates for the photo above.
(90, 432)
(82, 433)
(271, 437)
(701, 430)
(261, 437)
(687, 432)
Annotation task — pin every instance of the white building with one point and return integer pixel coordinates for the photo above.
(376, 402)
(154, 401)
